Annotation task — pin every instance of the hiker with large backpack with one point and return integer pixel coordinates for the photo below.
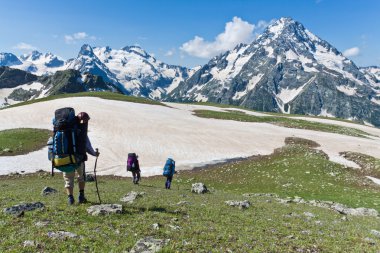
(169, 171)
(134, 167)
(69, 147)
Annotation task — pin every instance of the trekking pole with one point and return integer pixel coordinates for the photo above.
(96, 180)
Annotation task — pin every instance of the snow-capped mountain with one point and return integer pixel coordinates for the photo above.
(8, 59)
(37, 63)
(286, 69)
(372, 74)
(139, 72)
(17, 85)
(131, 69)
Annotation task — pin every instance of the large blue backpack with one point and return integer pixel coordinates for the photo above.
(64, 146)
(169, 168)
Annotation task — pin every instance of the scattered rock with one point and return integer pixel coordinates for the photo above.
(42, 223)
(361, 211)
(18, 209)
(29, 244)
(344, 218)
(306, 232)
(375, 233)
(260, 195)
(90, 178)
(370, 241)
(61, 235)
(308, 214)
(174, 219)
(241, 204)
(7, 150)
(148, 245)
(199, 188)
(131, 196)
(174, 227)
(156, 226)
(47, 191)
(105, 209)
(181, 203)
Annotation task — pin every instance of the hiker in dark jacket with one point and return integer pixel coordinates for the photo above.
(83, 147)
(134, 167)
(169, 171)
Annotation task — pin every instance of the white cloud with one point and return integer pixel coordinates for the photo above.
(354, 51)
(76, 37)
(235, 32)
(170, 52)
(25, 47)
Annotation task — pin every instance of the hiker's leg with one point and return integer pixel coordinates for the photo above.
(69, 182)
(81, 181)
(69, 185)
(138, 176)
(134, 177)
(169, 181)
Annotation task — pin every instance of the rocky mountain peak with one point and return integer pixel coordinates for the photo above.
(86, 50)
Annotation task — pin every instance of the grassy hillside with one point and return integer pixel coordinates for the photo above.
(103, 95)
(276, 114)
(204, 223)
(22, 141)
(281, 121)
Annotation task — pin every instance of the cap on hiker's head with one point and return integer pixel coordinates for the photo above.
(83, 116)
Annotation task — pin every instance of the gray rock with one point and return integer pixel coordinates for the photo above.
(247, 195)
(199, 188)
(375, 233)
(48, 190)
(29, 243)
(42, 223)
(148, 245)
(132, 196)
(156, 226)
(308, 214)
(361, 211)
(17, 209)
(61, 235)
(105, 209)
(7, 150)
(370, 241)
(241, 204)
(175, 227)
(182, 203)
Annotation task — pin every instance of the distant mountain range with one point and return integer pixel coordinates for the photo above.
(286, 69)
(290, 70)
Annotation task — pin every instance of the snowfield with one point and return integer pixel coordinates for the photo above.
(157, 132)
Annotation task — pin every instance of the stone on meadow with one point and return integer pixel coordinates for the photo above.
(199, 188)
(105, 209)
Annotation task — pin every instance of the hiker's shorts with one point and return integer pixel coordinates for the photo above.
(69, 176)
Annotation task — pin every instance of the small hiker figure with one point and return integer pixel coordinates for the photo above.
(69, 147)
(169, 171)
(134, 167)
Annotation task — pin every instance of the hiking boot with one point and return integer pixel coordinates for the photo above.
(70, 200)
(82, 199)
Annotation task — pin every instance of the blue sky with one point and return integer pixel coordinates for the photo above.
(168, 28)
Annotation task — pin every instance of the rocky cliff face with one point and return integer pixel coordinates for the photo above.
(287, 69)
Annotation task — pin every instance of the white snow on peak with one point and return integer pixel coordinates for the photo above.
(236, 60)
(376, 101)
(251, 85)
(350, 91)
(277, 27)
(287, 95)
(324, 113)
